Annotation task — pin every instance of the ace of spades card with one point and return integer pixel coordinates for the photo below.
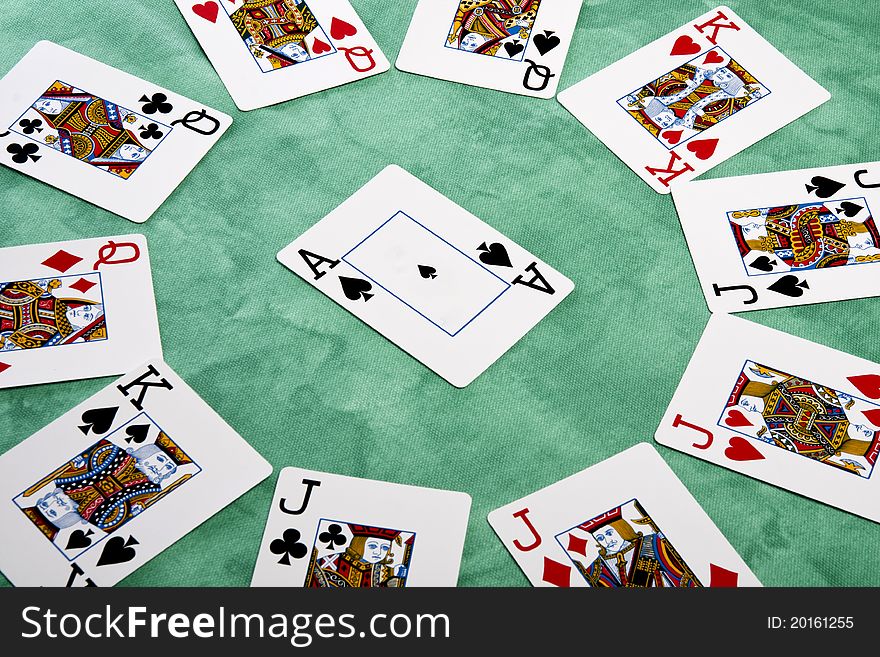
(76, 310)
(784, 239)
(110, 484)
(429, 276)
(271, 51)
(330, 531)
(692, 99)
(517, 46)
(778, 408)
(627, 522)
(110, 138)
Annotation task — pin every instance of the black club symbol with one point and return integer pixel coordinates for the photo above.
(30, 126)
(21, 154)
(158, 102)
(332, 537)
(288, 546)
(151, 131)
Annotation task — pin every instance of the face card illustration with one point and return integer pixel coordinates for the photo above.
(112, 483)
(98, 133)
(692, 99)
(271, 51)
(432, 278)
(783, 410)
(330, 531)
(76, 310)
(627, 522)
(784, 239)
(509, 45)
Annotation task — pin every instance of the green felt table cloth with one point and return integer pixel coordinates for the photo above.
(308, 384)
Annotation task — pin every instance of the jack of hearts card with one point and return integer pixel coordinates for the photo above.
(692, 99)
(783, 410)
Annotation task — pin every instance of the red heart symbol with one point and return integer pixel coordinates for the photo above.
(735, 418)
(713, 58)
(703, 148)
(868, 384)
(684, 45)
(319, 47)
(339, 29)
(208, 11)
(673, 136)
(873, 416)
(742, 450)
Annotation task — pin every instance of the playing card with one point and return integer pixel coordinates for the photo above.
(110, 484)
(269, 51)
(784, 239)
(518, 46)
(693, 98)
(98, 133)
(428, 275)
(76, 310)
(627, 522)
(329, 531)
(783, 410)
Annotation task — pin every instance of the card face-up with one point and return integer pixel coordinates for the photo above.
(93, 131)
(270, 51)
(76, 310)
(107, 486)
(627, 522)
(692, 99)
(428, 275)
(329, 531)
(783, 410)
(518, 46)
(784, 239)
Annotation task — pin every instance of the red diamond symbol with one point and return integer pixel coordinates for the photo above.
(4, 367)
(577, 544)
(555, 573)
(82, 285)
(721, 577)
(62, 261)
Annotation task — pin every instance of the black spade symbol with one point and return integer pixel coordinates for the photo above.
(790, 286)
(494, 254)
(356, 288)
(79, 540)
(427, 272)
(98, 420)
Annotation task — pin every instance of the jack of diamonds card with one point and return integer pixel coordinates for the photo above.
(110, 484)
(429, 276)
(93, 131)
(271, 51)
(627, 522)
(76, 310)
(784, 239)
(331, 531)
(692, 99)
(517, 46)
(781, 409)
